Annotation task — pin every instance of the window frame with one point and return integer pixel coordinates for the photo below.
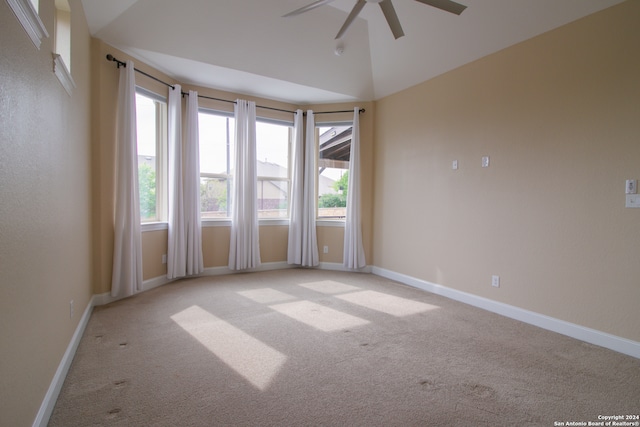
(326, 220)
(161, 158)
(229, 176)
(62, 43)
(263, 178)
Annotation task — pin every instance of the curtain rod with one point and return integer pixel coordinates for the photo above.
(124, 64)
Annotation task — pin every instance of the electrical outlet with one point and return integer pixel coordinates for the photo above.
(164, 258)
(485, 162)
(325, 249)
(495, 281)
(71, 309)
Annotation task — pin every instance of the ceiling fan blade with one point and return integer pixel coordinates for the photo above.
(307, 8)
(446, 5)
(352, 16)
(392, 18)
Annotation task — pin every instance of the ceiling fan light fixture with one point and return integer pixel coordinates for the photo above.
(387, 9)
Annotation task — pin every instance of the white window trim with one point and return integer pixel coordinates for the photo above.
(288, 179)
(162, 147)
(30, 20)
(331, 222)
(158, 225)
(62, 73)
(153, 226)
(321, 220)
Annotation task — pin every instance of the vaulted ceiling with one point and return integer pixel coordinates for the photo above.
(246, 46)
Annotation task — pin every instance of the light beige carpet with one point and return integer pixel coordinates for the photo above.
(319, 348)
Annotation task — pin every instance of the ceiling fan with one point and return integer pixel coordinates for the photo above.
(387, 9)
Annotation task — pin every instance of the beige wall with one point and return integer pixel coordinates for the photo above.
(45, 210)
(559, 116)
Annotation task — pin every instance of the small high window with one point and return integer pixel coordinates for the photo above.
(62, 42)
(63, 31)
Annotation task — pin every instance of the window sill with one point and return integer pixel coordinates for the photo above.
(62, 73)
(227, 222)
(31, 22)
(153, 226)
(330, 222)
(216, 223)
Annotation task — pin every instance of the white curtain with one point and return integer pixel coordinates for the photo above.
(353, 248)
(193, 241)
(127, 246)
(294, 251)
(244, 248)
(309, 240)
(176, 254)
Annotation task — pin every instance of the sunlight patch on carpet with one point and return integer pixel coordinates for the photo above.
(385, 303)
(329, 287)
(266, 295)
(251, 358)
(318, 316)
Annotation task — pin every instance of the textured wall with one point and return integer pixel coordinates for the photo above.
(559, 117)
(45, 220)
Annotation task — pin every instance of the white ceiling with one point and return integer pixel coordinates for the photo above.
(246, 46)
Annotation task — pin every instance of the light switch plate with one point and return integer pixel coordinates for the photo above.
(633, 201)
(631, 186)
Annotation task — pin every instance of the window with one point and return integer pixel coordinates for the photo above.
(334, 148)
(63, 31)
(62, 55)
(217, 132)
(151, 123)
(273, 141)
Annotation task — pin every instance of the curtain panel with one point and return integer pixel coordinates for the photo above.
(310, 256)
(244, 247)
(294, 248)
(127, 246)
(354, 257)
(192, 211)
(176, 253)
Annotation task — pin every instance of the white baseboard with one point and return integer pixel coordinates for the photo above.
(50, 398)
(592, 336)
